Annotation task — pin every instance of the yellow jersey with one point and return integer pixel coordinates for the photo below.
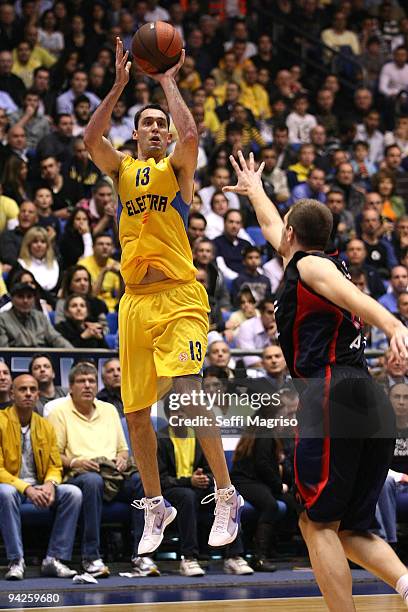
(152, 219)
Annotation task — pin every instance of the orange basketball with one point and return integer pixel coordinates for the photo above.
(156, 47)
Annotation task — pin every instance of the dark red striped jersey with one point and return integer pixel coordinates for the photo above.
(313, 332)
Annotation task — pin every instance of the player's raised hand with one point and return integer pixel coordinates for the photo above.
(171, 72)
(122, 65)
(399, 344)
(249, 179)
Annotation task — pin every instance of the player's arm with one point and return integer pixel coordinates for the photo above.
(184, 157)
(250, 184)
(324, 278)
(102, 152)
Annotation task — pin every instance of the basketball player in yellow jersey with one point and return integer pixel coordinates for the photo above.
(163, 321)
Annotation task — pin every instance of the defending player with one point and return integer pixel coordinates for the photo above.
(340, 472)
(163, 322)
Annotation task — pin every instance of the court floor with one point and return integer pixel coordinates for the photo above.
(364, 603)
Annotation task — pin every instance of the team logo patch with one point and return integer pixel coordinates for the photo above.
(183, 357)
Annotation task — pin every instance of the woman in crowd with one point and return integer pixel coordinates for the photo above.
(76, 328)
(247, 310)
(393, 206)
(15, 179)
(78, 280)
(37, 256)
(76, 241)
(48, 35)
(260, 475)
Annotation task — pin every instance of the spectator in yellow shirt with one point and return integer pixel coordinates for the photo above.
(253, 95)
(305, 164)
(189, 77)
(8, 212)
(104, 271)
(45, 58)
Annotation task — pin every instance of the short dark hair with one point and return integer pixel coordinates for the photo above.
(155, 107)
(80, 100)
(233, 127)
(251, 249)
(38, 356)
(262, 304)
(101, 183)
(197, 215)
(102, 235)
(215, 371)
(312, 223)
(229, 213)
(356, 272)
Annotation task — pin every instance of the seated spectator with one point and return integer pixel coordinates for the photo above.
(343, 220)
(24, 326)
(111, 377)
(399, 136)
(66, 192)
(380, 254)
(186, 481)
(78, 280)
(216, 319)
(356, 254)
(258, 332)
(88, 432)
(44, 202)
(368, 132)
(274, 374)
(42, 370)
(286, 155)
(253, 94)
(15, 179)
(298, 173)
(393, 206)
(215, 219)
(220, 178)
(247, 309)
(392, 161)
(81, 116)
(80, 167)
(274, 175)
(338, 36)
(229, 247)
(363, 168)
(344, 180)
(398, 284)
(5, 386)
(121, 126)
(75, 328)
(79, 84)
(394, 372)
(8, 211)
(274, 270)
(37, 256)
(104, 271)
(35, 125)
(196, 227)
(251, 278)
(204, 258)
(400, 237)
(311, 188)
(31, 473)
(60, 143)
(299, 121)
(44, 301)
(76, 240)
(48, 36)
(219, 355)
(11, 240)
(257, 470)
(402, 304)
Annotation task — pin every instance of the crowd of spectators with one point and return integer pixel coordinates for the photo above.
(318, 91)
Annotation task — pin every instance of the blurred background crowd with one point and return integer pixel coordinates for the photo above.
(316, 89)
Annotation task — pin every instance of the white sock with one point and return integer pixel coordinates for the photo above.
(402, 586)
(49, 559)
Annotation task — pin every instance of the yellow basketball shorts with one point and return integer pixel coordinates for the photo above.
(161, 335)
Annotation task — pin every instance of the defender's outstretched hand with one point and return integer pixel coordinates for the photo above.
(122, 65)
(249, 179)
(399, 344)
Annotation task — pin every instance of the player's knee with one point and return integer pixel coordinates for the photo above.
(138, 418)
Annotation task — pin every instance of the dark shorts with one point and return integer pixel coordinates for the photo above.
(344, 448)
